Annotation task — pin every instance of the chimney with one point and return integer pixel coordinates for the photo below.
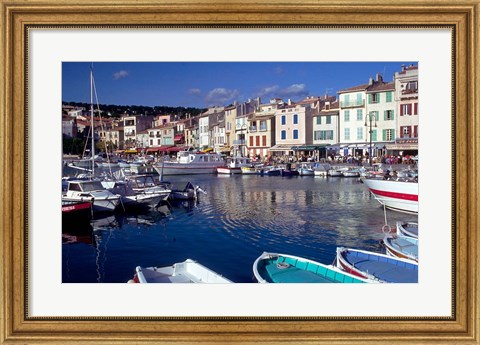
(289, 101)
(370, 81)
(379, 77)
(403, 67)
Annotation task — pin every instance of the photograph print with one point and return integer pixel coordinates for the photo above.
(240, 172)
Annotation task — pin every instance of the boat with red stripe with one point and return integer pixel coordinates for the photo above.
(397, 194)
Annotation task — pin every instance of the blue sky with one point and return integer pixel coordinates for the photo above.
(203, 84)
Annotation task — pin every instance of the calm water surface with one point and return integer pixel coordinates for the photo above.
(239, 218)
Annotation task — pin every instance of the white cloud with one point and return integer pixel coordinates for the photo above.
(219, 96)
(267, 90)
(294, 90)
(120, 74)
(195, 91)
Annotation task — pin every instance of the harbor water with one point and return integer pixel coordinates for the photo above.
(239, 218)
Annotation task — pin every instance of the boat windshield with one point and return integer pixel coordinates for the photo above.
(91, 186)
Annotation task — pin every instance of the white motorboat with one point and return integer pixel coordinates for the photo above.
(320, 169)
(91, 190)
(351, 173)
(249, 170)
(188, 271)
(334, 172)
(306, 169)
(189, 162)
(398, 195)
(132, 198)
(190, 192)
(234, 165)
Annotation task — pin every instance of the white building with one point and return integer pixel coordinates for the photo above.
(367, 116)
(406, 96)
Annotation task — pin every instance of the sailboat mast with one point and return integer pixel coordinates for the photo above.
(92, 124)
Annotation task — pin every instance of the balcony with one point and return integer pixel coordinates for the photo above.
(252, 129)
(239, 142)
(263, 128)
(352, 104)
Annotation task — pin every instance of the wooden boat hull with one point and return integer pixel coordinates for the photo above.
(402, 247)
(229, 171)
(188, 271)
(376, 266)
(409, 229)
(281, 268)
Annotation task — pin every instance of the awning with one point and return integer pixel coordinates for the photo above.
(225, 149)
(178, 137)
(281, 148)
(309, 147)
(155, 149)
(131, 151)
(402, 147)
(175, 149)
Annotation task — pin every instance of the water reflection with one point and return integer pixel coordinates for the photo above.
(240, 217)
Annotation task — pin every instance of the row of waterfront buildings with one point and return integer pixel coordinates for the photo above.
(378, 116)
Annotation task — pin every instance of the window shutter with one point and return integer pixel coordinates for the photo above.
(369, 98)
(384, 115)
(415, 108)
(393, 114)
(409, 109)
(401, 110)
(384, 134)
(377, 116)
(393, 134)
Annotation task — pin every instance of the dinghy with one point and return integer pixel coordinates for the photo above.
(282, 268)
(188, 271)
(409, 229)
(402, 247)
(376, 266)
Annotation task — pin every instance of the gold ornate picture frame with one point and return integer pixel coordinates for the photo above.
(17, 326)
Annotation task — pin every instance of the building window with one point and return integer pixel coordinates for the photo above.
(295, 119)
(347, 133)
(323, 135)
(328, 119)
(359, 114)
(412, 85)
(359, 133)
(284, 134)
(388, 134)
(284, 120)
(251, 140)
(388, 115)
(374, 98)
(346, 115)
(405, 109)
(257, 141)
(263, 125)
(295, 134)
(389, 96)
(264, 140)
(405, 131)
(319, 120)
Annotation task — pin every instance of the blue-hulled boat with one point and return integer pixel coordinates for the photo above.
(409, 229)
(282, 268)
(376, 266)
(402, 247)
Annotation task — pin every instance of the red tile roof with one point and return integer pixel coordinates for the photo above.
(354, 88)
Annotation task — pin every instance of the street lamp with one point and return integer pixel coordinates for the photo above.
(371, 118)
